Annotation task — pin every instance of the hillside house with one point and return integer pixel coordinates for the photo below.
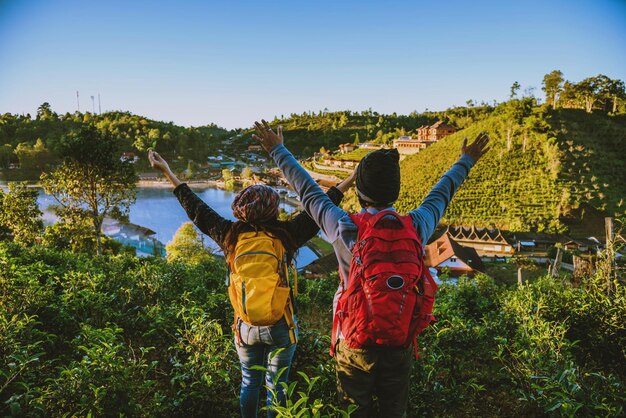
(408, 146)
(346, 148)
(536, 243)
(445, 252)
(369, 145)
(332, 163)
(584, 245)
(486, 242)
(435, 132)
(129, 156)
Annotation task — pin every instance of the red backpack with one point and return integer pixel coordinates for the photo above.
(390, 293)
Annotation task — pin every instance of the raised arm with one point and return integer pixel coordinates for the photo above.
(316, 203)
(206, 219)
(157, 162)
(430, 212)
(303, 227)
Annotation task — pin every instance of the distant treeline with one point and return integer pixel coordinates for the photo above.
(35, 142)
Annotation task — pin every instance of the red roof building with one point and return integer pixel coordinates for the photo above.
(435, 132)
(445, 252)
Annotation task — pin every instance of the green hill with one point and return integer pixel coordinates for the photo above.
(556, 162)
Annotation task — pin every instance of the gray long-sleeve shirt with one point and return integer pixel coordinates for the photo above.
(336, 223)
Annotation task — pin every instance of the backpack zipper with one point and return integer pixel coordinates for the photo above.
(256, 253)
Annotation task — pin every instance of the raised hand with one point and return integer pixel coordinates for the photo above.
(478, 148)
(157, 162)
(266, 137)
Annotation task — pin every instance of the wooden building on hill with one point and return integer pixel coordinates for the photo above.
(346, 148)
(445, 252)
(486, 242)
(408, 146)
(435, 132)
(536, 243)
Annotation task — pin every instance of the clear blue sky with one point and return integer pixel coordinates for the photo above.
(232, 62)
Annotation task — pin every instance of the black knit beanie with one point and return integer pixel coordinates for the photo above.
(378, 177)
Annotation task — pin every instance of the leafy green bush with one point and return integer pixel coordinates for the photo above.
(121, 335)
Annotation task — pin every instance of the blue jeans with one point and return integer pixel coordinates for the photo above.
(258, 347)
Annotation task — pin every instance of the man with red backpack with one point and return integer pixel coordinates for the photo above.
(386, 294)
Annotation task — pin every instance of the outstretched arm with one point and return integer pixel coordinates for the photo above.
(157, 162)
(206, 219)
(302, 228)
(316, 203)
(430, 212)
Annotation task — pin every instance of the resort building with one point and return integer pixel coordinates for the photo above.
(426, 136)
(435, 132)
(486, 242)
(346, 148)
(408, 146)
(369, 145)
(445, 252)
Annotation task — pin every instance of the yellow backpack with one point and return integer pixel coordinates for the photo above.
(258, 281)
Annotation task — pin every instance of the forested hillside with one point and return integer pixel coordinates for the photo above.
(33, 143)
(539, 169)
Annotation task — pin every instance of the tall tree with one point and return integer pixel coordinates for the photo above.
(35, 156)
(19, 213)
(44, 112)
(92, 180)
(6, 155)
(568, 96)
(615, 93)
(591, 89)
(552, 86)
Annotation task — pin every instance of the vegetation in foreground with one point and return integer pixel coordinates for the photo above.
(126, 336)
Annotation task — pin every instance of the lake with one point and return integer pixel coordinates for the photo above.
(158, 209)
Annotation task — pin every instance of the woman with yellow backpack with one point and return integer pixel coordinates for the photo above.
(259, 251)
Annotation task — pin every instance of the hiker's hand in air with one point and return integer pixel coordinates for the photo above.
(266, 136)
(157, 162)
(347, 182)
(476, 149)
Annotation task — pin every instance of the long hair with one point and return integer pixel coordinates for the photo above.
(273, 227)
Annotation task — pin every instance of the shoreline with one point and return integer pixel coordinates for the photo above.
(193, 183)
(145, 183)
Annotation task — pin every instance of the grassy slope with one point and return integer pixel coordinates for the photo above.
(574, 160)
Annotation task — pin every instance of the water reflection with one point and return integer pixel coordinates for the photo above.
(158, 209)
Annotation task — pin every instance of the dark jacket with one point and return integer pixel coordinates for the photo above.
(301, 228)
